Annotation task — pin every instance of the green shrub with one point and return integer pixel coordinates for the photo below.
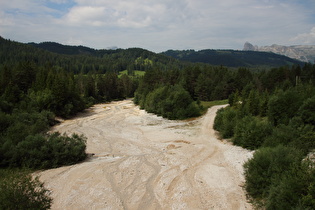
(172, 102)
(267, 168)
(5, 122)
(283, 106)
(38, 151)
(293, 189)
(307, 111)
(251, 132)
(218, 120)
(66, 150)
(225, 121)
(302, 137)
(282, 134)
(41, 100)
(308, 198)
(306, 141)
(19, 191)
(24, 124)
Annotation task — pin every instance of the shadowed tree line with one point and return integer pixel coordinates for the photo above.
(278, 122)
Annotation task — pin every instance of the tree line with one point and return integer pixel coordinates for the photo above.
(160, 91)
(234, 58)
(79, 59)
(31, 96)
(276, 118)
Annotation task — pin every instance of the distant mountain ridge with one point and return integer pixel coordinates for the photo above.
(233, 58)
(122, 59)
(305, 53)
(229, 58)
(133, 53)
(70, 49)
(82, 59)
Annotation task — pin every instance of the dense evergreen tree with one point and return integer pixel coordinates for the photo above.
(276, 118)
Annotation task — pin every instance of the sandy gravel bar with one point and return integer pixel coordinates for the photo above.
(143, 161)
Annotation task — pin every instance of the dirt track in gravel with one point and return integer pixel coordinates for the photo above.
(143, 161)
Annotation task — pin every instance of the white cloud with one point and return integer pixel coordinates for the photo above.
(59, 1)
(159, 24)
(85, 15)
(26, 7)
(306, 38)
(135, 14)
(5, 20)
(18, 5)
(73, 41)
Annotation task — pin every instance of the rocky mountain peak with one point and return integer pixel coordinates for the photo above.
(249, 47)
(305, 53)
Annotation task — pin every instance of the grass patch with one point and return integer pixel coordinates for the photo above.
(208, 104)
(137, 73)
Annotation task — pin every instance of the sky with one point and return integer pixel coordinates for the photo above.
(160, 25)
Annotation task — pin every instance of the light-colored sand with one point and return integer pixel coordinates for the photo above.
(143, 161)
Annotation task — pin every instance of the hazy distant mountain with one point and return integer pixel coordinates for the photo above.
(71, 50)
(305, 53)
(229, 58)
(233, 58)
(64, 49)
(82, 59)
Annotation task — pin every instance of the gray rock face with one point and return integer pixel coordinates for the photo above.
(305, 53)
(249, 47)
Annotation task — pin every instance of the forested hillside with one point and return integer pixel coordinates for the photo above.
(233, 58)
(79, 59)
(66, 49)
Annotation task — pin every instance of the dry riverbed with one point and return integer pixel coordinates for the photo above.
(143, 161)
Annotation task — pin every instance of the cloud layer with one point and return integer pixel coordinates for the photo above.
(159, 25)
